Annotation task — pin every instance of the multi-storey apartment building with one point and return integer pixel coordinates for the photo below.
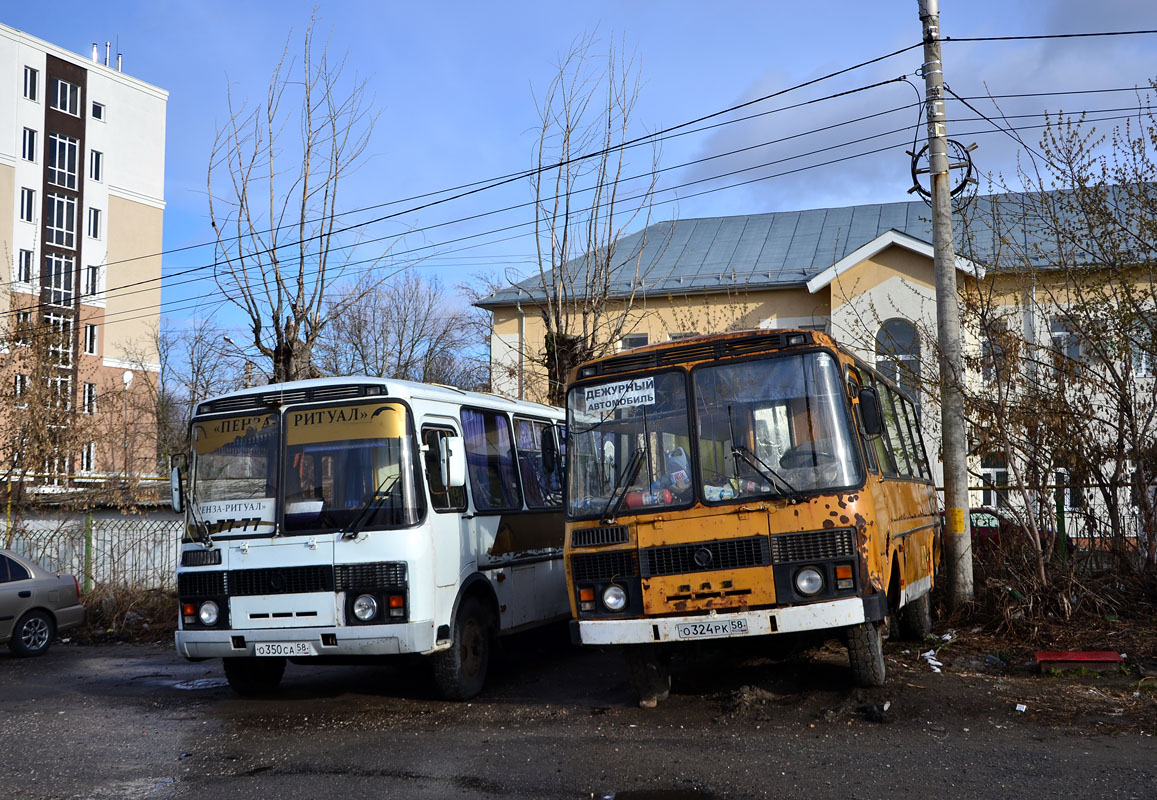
(82, 156)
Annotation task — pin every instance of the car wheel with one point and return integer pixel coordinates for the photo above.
(32, 634)
(460, 670)
(866, 654)
(254, 677)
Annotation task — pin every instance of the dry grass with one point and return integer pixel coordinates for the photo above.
(119, 614)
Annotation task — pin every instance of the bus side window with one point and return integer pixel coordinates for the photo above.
(919, 457)
(542, 488)
(892, 429)
(854, 385)
(441, 498)
(490, 461)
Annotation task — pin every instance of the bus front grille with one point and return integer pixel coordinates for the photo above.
(201, 584)
(596, 537)
(706, 556)
(283, 580)
(812, 546)
(370, 576)
(588, 567)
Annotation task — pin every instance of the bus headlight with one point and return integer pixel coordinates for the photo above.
(808, 581)
(208, 613)
(615, 598)
(366, 607)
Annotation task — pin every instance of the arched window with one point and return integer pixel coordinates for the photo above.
(898, 355)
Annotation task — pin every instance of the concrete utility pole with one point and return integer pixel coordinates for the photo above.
(954, 437)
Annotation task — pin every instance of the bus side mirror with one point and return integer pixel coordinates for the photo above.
(870, 419)
(176, 491)
(452, 459)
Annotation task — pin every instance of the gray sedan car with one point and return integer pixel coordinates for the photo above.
(35, 604)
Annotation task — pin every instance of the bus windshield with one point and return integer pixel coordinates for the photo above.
(629, 445)
(349, 467)
(235, 469)
(775, 425)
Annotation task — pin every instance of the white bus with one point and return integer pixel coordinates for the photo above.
(346, 518)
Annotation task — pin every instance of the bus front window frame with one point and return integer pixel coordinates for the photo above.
(664, 477)
(372, 512)
(755, 473)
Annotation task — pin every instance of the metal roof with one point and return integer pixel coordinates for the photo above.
(788, 248)
(775, 250)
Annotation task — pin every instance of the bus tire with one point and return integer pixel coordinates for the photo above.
(649, 674)
(460, 670)
(916, 618)
(866, 655)
(253, 676)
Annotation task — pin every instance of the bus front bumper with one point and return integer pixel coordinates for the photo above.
(370, 640)
(788, 619)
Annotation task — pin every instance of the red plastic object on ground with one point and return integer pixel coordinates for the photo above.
(1078, 657)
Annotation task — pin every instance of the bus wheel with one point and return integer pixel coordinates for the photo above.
(648, 673)
(460, 670)
(916, 617)
(253, 677)
(866, 655)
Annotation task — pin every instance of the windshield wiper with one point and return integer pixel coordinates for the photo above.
(380, 494)
(619, 492)
(738, 451)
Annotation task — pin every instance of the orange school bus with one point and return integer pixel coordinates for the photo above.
(745, 484)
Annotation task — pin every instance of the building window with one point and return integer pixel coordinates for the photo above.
(90, 340)
(27, 204)
(1066, 346)
(89, 405)
(62, 155)
(94, 223)
(19, 389)
(65, 97)
(91, 281)
(88, 457)
(96, 165)
(60, 392)
(633, 340)
(31, 84)
(60, 340)
(98, 111)
(994, 476)
(23, 324)
(1144, 343)
(28, 151)
(60, 226)
(24, 267)
(59, 279)
(683, 335)
(898, 356)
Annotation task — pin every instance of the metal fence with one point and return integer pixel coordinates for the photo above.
(128, 551)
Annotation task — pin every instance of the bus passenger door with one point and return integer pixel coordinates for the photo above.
(448, 506)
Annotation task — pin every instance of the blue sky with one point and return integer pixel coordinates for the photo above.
(453, 82)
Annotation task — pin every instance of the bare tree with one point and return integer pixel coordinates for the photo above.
(585, 202)
(405, 328)
(1068, 322)
(273, 203)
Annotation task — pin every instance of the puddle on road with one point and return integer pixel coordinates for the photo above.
(201, 683)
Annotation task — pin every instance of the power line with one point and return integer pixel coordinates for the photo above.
(118, 293)
(464, 190)
(1030, 37)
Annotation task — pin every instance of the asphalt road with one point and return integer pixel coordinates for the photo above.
(134, 721)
